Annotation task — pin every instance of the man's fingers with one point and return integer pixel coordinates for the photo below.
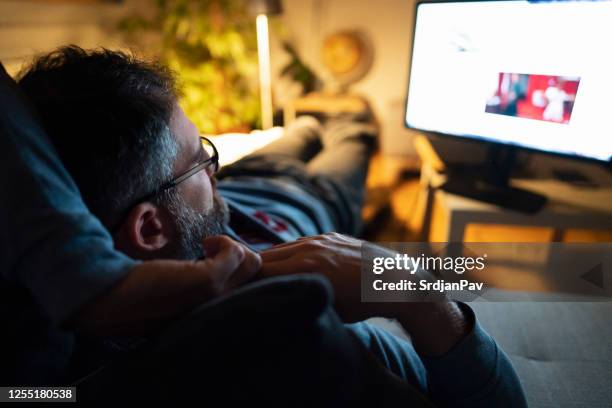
(301, 246)
(213, 245)
(289, 244)
(224, 256)
(274, 255)
(279, 253)
(247, 270)
(329, 237)
(302, 240)
(230, 263)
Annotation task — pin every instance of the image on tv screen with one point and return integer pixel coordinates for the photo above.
(542, 97)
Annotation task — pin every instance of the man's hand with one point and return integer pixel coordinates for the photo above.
(156, 292)
(337, 257)
(433, 326)
(228, 264)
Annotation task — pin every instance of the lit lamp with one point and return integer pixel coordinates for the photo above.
(262, 9)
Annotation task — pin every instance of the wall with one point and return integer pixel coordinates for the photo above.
(389, 24)
(30, 26)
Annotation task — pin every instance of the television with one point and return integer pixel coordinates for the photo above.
(520, 74)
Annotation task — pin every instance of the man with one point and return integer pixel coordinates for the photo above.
(59, 272)
(149, 180)
(128, 137)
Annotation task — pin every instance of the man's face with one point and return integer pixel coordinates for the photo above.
(196, 208)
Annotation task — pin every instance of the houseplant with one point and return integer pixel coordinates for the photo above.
(212, 46)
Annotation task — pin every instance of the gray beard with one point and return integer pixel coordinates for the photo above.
(192, 227)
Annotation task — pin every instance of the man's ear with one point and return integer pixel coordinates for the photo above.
(145, 231)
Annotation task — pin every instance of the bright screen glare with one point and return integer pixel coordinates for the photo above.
(537, 75)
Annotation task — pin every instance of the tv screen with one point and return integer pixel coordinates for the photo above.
(532, 74)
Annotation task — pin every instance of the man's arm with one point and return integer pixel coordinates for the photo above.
(434, 326)
(475, 372)
(156, 292)
(463, 364)
(55, 249)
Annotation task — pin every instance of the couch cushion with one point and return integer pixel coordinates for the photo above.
(562, 351)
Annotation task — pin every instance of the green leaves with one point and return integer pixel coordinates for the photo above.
(212, 46)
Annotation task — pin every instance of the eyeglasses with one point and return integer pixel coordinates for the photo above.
(210, 162)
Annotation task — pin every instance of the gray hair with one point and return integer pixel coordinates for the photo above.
(149, 173)
(108, 115)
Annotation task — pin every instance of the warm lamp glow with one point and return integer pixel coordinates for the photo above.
(265, 81)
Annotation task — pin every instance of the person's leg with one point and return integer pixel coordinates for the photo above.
(347, 149)
(301, 140)
(335, 175)
(348, 146)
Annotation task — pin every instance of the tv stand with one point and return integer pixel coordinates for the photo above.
(574, 177)
(441, 216)
(491, 183)
(504, 196)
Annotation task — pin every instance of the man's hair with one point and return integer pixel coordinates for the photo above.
(108, 115)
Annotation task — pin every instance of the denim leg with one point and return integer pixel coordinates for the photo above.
(301, 140)
(348, 148)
